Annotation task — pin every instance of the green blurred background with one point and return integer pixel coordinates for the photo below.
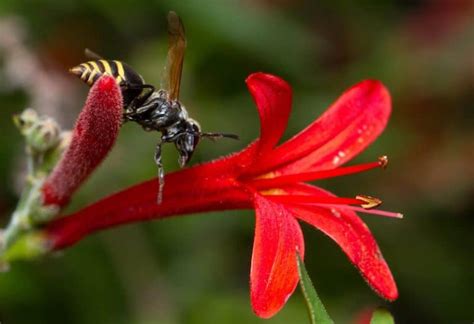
(195, 269)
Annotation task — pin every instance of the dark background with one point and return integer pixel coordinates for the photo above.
(195, 269)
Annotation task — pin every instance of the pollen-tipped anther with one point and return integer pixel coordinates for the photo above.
(383, 160)
(368, 201)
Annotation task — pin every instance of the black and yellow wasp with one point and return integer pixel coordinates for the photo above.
(158, 110)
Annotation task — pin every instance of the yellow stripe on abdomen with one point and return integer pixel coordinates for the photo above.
(107, 67)
(86, 71)
(95, 71)
(120, 70)
(95, 66)
(90, 80)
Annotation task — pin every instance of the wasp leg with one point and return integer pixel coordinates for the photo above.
(148, 90)
(133, 86)
(137, 103)
(146, 108)
(139, 100)
(161, 173)
(132, 113)
(172, 138)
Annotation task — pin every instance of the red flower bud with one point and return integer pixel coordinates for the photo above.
(93, 136)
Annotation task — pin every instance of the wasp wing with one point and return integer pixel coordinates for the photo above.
(177, 46)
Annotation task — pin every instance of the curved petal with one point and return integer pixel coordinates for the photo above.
(272, 96)
(274, 273)
(352, 235)
(354, 121)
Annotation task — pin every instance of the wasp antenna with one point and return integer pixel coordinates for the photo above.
(219, 135)
(233, 136)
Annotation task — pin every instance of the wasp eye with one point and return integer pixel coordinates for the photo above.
(193, 125)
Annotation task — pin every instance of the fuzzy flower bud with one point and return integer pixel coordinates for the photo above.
(93, 136)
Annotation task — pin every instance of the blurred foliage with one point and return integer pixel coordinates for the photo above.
(381, 316)
(195, 269)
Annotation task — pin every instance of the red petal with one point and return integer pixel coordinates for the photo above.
(206, 187)
(352, 235)
(272, 96)
(274, 273)
(354, 121)
(93, 136)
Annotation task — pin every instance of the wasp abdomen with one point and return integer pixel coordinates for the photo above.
(124, 75)
(91, 71)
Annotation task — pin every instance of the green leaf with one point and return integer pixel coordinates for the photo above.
(382, 316)
(317, 312)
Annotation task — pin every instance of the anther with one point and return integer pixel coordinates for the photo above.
(368, 201)
(383, 160)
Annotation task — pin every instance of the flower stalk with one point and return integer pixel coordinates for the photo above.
(45, 142)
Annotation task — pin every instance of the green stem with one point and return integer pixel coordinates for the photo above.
(22, 220)
(316, 310)
(44, 146)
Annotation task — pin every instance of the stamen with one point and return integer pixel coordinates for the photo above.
(369, 202)
(317, 175)
(376, 212)
(366, 211)
(309, 199)
(383, 160)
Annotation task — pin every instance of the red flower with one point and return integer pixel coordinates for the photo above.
(270, 179)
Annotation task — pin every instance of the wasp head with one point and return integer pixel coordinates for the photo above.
(188, 140)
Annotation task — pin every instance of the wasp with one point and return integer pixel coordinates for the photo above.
(154, 109)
